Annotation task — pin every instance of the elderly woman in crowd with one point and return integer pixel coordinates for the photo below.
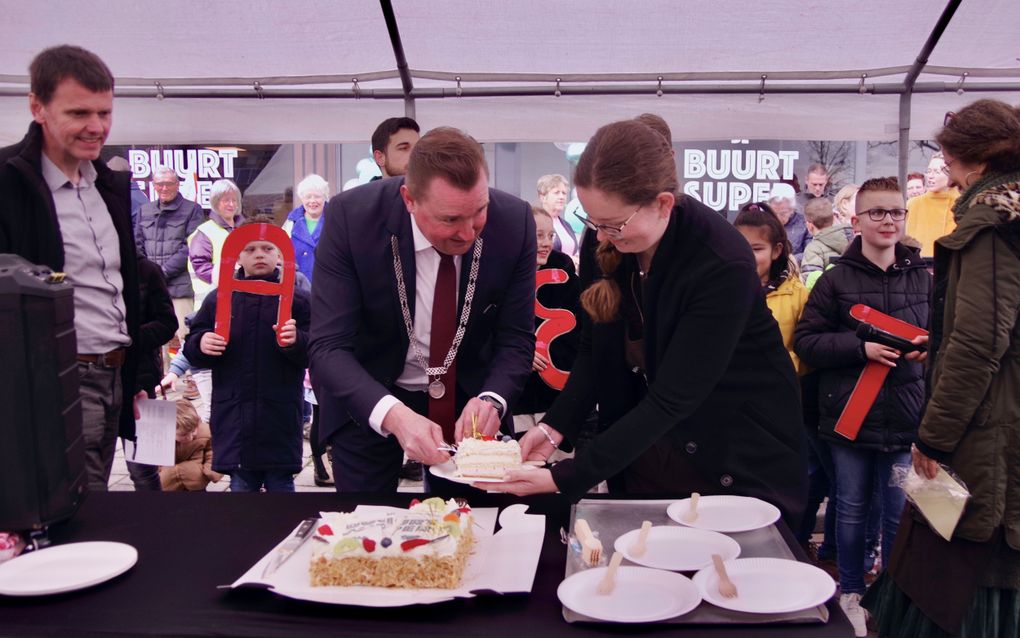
(695, 389)
(206, 243)
(552, 193)
(303, 224)
(969, 586)
(783, 201)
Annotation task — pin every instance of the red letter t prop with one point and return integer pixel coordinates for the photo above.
(874, 374)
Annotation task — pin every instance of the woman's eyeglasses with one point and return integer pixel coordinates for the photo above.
(878, 214)
(612, 231)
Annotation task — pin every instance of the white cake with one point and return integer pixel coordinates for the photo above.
(424, 546)
(479, 458)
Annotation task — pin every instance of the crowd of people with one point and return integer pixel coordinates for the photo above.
(703, 356)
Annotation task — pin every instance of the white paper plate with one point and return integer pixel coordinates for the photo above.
(640, 595)
(63, 568)
(768, 585)
(678, 549)
(449, 472)
(726, 513)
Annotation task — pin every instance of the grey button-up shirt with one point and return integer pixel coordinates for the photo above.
(91, 259)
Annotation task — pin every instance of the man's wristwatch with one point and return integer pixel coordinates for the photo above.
(496, 404)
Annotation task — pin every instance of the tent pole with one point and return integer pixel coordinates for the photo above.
(398, 53)
(908, 86)
(904, 147)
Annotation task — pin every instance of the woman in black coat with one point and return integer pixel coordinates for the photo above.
(694, 387)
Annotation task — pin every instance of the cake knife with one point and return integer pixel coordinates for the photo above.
(289, 546)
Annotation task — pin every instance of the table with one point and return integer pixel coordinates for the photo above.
(189, 543)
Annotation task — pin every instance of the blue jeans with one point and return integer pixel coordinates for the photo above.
(254, 481)
(855, 470)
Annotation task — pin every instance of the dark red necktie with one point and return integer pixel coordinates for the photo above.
(444, 323)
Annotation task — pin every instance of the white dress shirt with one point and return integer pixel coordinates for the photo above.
(413, 377)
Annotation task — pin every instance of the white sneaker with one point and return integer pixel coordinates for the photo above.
(851, 605)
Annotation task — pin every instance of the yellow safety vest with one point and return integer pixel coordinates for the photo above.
(218, 236)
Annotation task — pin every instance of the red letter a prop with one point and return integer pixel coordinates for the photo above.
(232, 247)
(874, 374)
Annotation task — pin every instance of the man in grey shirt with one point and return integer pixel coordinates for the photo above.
(162, 236)
(63, 208)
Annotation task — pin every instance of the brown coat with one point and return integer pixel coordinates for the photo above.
(193, 470)
(972, 421)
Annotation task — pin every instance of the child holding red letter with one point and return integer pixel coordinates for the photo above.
(257, 378)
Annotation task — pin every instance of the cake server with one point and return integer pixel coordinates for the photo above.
(289, 546)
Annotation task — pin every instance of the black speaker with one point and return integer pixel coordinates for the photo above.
(42, 452)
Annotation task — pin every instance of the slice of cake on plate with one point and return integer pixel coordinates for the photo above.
(424, 546)
(481, 458)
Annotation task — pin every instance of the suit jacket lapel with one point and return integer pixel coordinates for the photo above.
(399, 224)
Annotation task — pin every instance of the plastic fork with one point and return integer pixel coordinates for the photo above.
(591, 546)
(641, 544)
(691, 514)
(726, 587)
(608, 581)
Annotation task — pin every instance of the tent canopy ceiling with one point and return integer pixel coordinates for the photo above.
(608, 57)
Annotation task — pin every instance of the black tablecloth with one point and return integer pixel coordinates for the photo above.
(188, 543)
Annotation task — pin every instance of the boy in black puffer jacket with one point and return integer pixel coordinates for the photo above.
(878, 271)
(257, 382)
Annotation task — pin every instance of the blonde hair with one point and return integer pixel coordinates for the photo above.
(548, 182)
(845, 194)
(187, 418)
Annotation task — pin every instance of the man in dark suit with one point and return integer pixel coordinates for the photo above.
(423, 309)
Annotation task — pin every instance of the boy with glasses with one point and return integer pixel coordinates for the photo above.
(879, 271)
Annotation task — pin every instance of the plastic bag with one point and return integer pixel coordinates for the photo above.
(940, 500)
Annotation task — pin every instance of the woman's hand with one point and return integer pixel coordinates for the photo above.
(535, 446)
(523, 482)
(923, 465)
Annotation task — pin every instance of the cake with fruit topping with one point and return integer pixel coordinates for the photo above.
(487, 457)
(425, 546)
